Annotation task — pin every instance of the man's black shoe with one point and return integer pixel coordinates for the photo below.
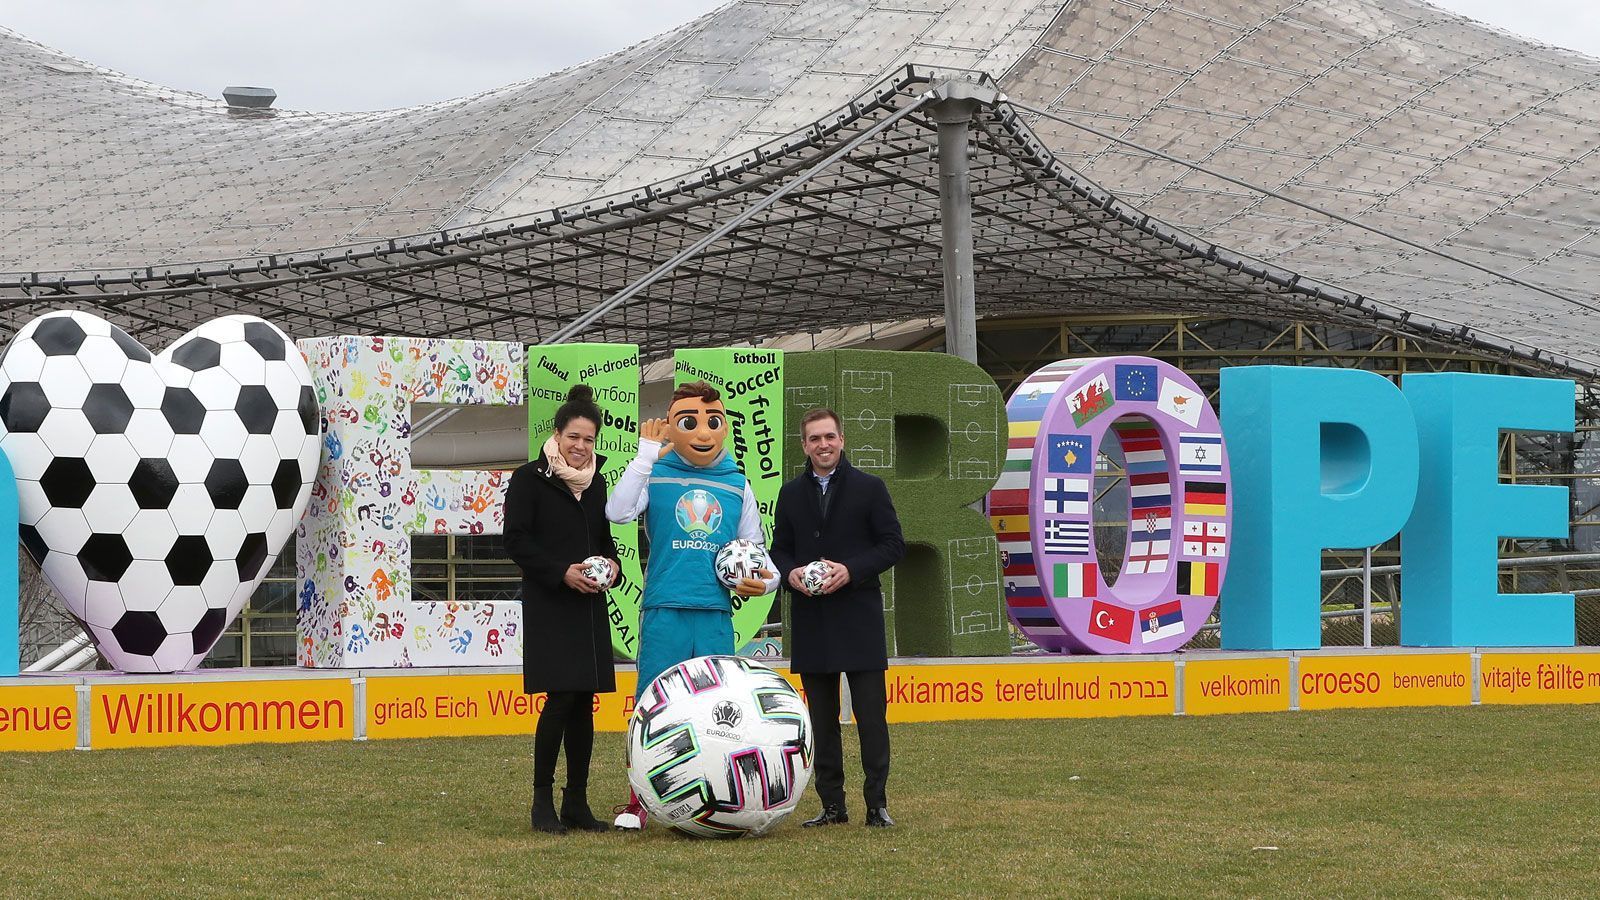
(830, 815)
(879, 818)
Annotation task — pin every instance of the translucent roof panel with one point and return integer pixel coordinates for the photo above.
(510, 213)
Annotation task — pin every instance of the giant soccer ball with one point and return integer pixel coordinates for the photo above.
(719, 746)
(740, 559)
(154, 491)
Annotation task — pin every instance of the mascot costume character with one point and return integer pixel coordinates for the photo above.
(687, 496)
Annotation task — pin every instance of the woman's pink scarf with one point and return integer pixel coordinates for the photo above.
(577, 480)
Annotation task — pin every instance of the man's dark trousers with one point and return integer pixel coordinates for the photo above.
(869, 704)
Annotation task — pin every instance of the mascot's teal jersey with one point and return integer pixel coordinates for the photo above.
(692, 513)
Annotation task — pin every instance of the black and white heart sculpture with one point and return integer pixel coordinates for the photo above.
(156, 491)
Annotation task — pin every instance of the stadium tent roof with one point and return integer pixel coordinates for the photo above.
(113, 192)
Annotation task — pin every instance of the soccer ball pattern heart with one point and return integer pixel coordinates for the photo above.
(156, 491)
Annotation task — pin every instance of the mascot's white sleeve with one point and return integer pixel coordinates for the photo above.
(629, 498)
(750, 527)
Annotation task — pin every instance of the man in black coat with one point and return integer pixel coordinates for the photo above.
(843, 516)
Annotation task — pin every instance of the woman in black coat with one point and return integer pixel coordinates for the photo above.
(555, 519)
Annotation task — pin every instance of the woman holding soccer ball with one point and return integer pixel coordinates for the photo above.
(556, 532)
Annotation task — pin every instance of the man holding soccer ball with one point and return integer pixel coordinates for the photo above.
(686, 486)
(835, 531)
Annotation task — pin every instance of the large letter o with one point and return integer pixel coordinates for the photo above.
(1179, 506)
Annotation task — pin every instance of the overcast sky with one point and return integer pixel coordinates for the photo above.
(378, 54)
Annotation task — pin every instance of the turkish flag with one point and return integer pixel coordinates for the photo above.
(1111, 621)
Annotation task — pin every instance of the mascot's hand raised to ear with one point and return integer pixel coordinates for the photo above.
(694, 500)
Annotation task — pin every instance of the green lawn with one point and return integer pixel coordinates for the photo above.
(1433, 802)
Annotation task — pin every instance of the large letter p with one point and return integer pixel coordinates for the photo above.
(1321, 458)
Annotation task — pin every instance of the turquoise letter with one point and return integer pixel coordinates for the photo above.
(1321, 458)
(1449, 559)
(10, 662)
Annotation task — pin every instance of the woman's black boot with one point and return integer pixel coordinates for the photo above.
(575, 811)
(544, 811)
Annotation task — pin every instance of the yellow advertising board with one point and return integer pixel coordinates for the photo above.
(1212, 686)
(38, 717)
(1539, 678)
(151, 712)
(209, 713)
(1369, 680)
(1031, 691)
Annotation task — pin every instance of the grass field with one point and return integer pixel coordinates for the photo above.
(1431, 802)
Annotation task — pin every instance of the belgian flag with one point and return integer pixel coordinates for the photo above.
(1199, 579)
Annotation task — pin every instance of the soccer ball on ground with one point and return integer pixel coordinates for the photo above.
(813, 575)
(598, 568)
(719, 746)
(740, 559)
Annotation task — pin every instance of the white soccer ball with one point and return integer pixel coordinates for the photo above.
(719, 746)
(598, 569)
(740, 559)
(813, 575)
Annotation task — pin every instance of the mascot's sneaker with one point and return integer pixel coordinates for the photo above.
(630, 817)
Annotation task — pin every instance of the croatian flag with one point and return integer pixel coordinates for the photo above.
(1159, 622)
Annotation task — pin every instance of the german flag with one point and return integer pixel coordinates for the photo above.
(1205, 498)
(1198, 579)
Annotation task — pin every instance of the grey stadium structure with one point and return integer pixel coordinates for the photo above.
(1366, 183)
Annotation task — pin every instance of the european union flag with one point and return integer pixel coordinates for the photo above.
(1070, 453)
(1136, 382)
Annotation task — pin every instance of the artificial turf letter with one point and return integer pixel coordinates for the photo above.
(932, 426)
(1321, 458)
(1449, 550)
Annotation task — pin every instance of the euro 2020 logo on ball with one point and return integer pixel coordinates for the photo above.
(699, 512)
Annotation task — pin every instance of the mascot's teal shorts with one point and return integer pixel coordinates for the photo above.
(668, 636)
